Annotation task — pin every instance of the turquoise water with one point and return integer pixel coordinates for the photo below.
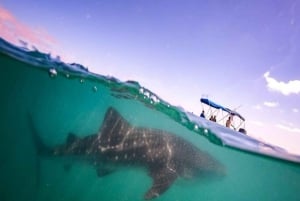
(63, 98)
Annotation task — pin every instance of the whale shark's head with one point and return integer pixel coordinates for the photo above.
(210, 167)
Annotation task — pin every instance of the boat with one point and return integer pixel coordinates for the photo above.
(223, 115)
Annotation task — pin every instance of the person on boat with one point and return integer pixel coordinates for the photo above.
(202, 114)
(229, 121)
(213, 118)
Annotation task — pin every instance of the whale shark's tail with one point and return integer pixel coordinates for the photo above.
(41, 148)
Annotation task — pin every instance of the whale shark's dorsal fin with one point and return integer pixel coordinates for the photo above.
(114, 127)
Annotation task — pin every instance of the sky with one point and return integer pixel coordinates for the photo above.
(241, 54)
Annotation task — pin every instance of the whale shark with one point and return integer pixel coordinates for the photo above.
(164, 155)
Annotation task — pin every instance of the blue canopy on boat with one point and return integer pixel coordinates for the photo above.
(217, 106)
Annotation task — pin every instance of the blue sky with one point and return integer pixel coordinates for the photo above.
(240, 53)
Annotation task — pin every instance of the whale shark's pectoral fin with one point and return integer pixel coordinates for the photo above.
(162, 180)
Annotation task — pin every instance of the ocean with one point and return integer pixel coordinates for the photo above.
(61, 98)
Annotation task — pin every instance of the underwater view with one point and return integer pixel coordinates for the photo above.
(71, 135)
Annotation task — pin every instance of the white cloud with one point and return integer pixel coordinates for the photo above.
(286, 88)
(271, 104)
(295, 110)
(288, 128)
(257, 107)
(13, 30)
(18, 33)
